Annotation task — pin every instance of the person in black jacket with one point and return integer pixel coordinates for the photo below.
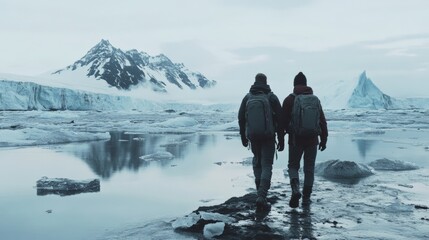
(263, 150)
(299, 146)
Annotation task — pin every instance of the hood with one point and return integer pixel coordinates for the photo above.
(260, 87)
(299, 89)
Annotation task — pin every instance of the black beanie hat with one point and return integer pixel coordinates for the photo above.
(261, 78)
(300, 79)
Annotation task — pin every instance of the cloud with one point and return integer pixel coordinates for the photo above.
(405, 47)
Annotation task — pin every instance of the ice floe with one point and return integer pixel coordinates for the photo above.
(199, 217)
(177, 122)
(38, 136)
(213, 229)
(65, 187)
(158, 156)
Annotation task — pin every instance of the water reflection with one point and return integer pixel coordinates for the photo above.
(364, 145)
(301, 226)
(123, 150)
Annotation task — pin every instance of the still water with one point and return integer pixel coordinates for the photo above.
(207, 169)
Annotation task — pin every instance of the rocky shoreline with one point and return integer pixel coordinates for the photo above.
(373, 206)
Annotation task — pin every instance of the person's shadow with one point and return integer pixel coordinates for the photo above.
(301, 226)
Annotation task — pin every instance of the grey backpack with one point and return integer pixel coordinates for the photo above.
(259, 117)
(305, 120)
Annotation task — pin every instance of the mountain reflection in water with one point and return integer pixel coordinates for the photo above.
(123, 150)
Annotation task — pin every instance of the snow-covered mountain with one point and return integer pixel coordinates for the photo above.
(130, 69)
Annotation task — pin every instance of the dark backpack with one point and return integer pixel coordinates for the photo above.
(305, 119)
(259, 117)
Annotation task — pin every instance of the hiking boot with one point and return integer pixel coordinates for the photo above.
(296, 195)
(262, 204)
(306, 194)
(306, 202)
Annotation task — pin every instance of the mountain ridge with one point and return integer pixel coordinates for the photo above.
(131, 69)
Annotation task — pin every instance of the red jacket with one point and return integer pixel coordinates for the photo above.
(287, 112)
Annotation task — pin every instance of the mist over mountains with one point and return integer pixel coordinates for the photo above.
(107, 78)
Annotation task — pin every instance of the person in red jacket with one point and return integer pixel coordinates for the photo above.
(299, 146)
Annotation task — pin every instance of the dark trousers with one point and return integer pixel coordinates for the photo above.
(263, 156)
(295, 154)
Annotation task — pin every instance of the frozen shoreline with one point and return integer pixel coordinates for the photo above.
(377, 207)
(29, 128)
(342, 210)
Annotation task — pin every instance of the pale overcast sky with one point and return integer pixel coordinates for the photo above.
(231, 40)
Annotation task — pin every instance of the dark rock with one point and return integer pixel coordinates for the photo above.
(336, 169)
(241, 211)
(421, 207)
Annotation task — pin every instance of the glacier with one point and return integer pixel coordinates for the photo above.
(75, 93)
(32, 96)
(27, 95)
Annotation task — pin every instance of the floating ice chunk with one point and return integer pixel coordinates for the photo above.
(174, 144)
(215, 217)
(248, 161)
(392, 165)
(397, 207)
(65, 187)
(213, 229)
(186, 222)
(158, 156)
(374, 132)
(178, 122)
(37, 136)
(342, 169)
(193, 219)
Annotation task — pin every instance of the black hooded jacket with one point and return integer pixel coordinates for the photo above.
(275, 106)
